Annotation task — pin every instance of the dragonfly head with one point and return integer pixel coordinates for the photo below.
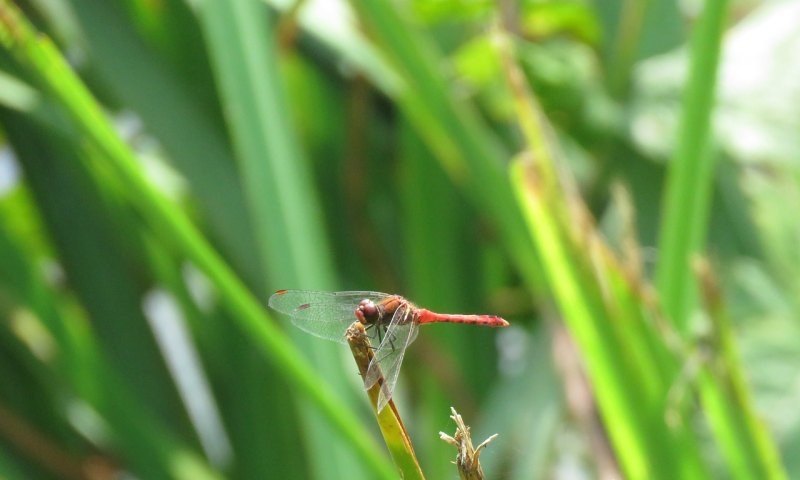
(367, 312)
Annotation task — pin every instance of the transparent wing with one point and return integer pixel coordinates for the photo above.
(389, 355)
(286, 301)
(323, 314)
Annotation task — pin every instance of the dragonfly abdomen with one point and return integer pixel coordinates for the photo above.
(426, 316)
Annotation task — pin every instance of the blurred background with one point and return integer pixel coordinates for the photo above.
(166, 165)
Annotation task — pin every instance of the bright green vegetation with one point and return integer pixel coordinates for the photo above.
(612, 178)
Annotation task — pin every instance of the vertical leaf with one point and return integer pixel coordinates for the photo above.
(688, 192)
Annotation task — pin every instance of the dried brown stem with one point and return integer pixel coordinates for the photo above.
(467, 461)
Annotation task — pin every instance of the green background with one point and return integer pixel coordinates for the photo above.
(618, 179)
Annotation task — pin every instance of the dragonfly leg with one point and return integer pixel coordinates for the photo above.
(391, 337)
(371, 334)
(385, 355)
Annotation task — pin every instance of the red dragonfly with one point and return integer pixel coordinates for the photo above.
(391, 321)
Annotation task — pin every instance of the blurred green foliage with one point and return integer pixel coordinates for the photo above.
(168, 164)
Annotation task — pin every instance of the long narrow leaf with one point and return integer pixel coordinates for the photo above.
(688, 190)
(38, 55)
(280, 194)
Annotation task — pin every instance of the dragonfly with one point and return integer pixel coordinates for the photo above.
(391, 322)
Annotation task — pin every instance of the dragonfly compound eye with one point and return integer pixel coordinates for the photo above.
(367, 311)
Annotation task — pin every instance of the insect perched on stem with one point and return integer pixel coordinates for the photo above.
(391, 320)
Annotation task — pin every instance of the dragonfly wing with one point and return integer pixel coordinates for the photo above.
(323, 314)
(286, 301)
(389, 355)
(324, 320)
(385, 349)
